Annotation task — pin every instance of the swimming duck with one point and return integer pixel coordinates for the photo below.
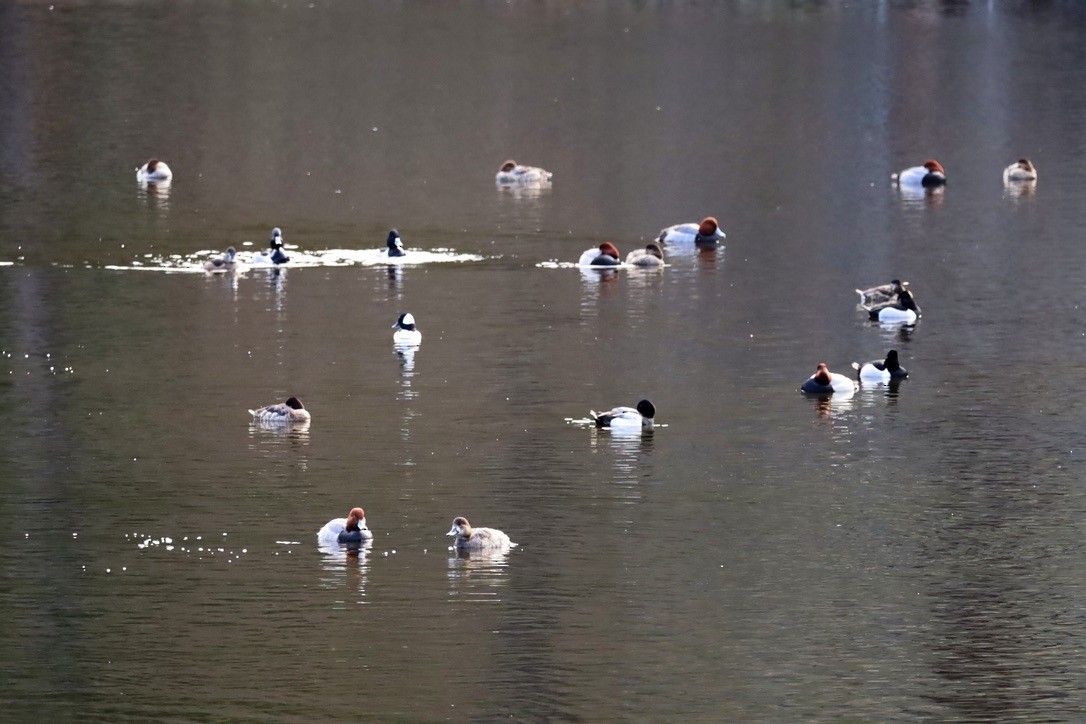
(351, 529)
(275, 253)
(478, 539)
(929, 175)
(394, 244)
(626, 418)
(405, 333)
(223, 264)
(651, 255)
(902, 309)
(1020, 170)
(606, 255)
(824, 382)
(881, 370)
(290, 411)
(881, 294)
(154, 170)
(706, 233)
(512, 173)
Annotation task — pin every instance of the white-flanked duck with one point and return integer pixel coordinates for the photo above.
(351, 529)
(928, 175)
(881, 294)
(706, 233)
(651, 255)
(467, 538)
(625, 419)
(286, 412)
(606, 254)
(394, 244)
(902, 309)
(154, 171)
(1020, 170)
(275, 253)
(405, 333)
(881, 370)
(513, 173)
(226, 263)
(824, 382)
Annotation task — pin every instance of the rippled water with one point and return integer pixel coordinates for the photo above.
(906, 553)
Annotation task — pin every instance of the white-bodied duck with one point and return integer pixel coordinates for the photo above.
(1020, 170)
(405, 333)
(881, 370)
(275, 254)
(513, 173)
(154, 171)
(352, 529)
(928, 175)
(626, 418)
(824, 382)
(606, 254)
(285, 412)
(706, 233)
(902, 309)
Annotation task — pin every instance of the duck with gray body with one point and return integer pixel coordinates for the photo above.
(640, 417)
(225, 263)
(881, 294)
(467, 538)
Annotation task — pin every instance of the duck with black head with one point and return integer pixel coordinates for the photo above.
(284, 412)
(606, 254)
(394, 245)
(881, 370)
(626, 419)
(902, 309)
(275, 254)
(882, 293)
(406, 333)
(352, 529)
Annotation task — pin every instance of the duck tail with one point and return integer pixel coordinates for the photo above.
(593, 415)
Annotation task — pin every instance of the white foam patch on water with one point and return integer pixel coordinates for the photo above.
(253, 261)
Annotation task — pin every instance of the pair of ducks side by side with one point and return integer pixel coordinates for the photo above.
(931, 174)
(824, 382)
(354, 530)
(607, 255)
(273, 256)
(707, 233)
(891, 302)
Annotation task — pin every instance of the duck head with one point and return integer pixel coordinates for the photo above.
(609, 249)
(152, 164)
(655, 250)
(708, 231)
(892, 364)
(394, 241)
(461, 528)
(356, 519)
(405, 321)
(295, 404)
(508, 166)
(230, 252)
(934, 166)
(276, 238)
(822, 374)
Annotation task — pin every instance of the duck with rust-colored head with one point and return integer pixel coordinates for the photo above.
(705, 233)
(466, 538)
(512, 173)
(824, 382)
(606, 254)
(928, 175)
(351, 529)
(285, 412)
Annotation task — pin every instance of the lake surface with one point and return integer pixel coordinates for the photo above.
(902, 554)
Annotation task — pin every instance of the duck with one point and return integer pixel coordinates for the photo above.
(286, 412)
(881, 370)
(275, 253)
(351, 529)
(513, 173)
(154, 170)
(651, 255)
(626, 418)
(467, 538)
(225, 263)
(824, 382)
(394, 244)
(881, 294)
(1020, 170)
(928, 175)
(903, 309)
(405, 333)
(605, 255)
(705, 233)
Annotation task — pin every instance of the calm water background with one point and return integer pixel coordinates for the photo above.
(899, 555)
